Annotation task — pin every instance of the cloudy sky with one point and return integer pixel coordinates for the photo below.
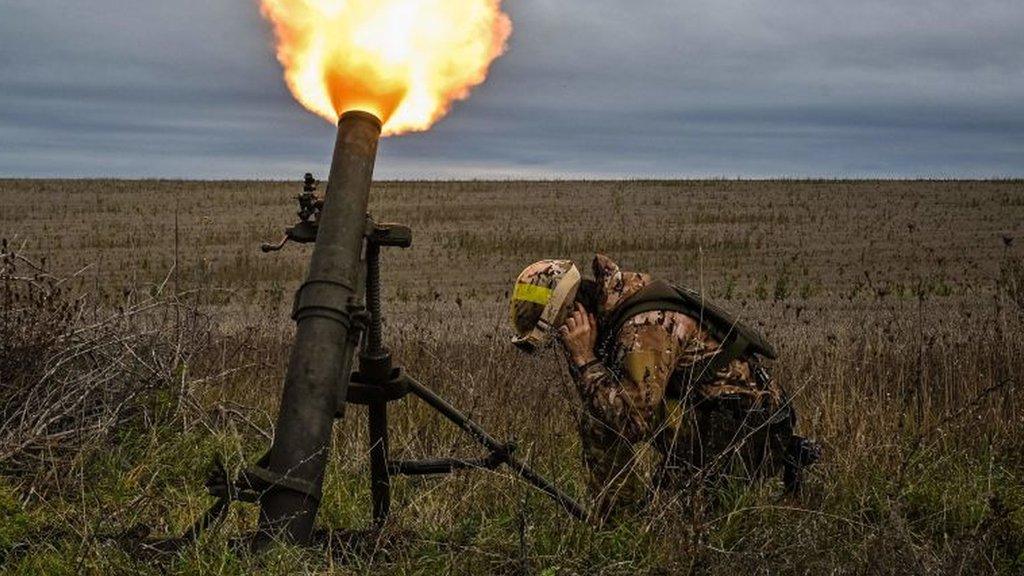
(595, 88)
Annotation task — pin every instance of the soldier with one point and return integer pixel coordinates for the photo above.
(655, 363)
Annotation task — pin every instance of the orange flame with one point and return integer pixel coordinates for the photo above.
(405, 61)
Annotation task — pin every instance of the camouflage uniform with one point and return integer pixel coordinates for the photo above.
(696, 433)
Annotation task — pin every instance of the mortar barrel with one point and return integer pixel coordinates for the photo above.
(321, 355)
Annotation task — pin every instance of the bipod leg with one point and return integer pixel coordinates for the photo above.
(375, 364)
(498, 448)
(380, 480)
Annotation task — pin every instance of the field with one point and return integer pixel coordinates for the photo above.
(144, 334)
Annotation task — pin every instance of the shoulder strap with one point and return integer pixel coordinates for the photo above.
(723, 325)
(656, 296)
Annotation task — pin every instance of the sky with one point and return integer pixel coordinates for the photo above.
(587, 89)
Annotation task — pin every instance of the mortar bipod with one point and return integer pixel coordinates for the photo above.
(377, 382)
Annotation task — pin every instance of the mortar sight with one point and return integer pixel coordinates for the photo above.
(310, 204)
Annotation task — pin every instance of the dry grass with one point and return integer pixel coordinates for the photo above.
(896, 307)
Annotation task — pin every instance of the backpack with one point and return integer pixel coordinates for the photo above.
(737, 340)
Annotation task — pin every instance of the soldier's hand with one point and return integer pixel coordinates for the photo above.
(579, 335)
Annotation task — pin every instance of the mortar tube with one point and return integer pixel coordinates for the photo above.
(321, 357)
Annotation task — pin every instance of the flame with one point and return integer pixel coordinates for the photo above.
(405, 61)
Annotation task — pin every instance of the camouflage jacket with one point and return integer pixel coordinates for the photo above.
(624, 396)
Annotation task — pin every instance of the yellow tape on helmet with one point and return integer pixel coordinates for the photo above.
(532, 293)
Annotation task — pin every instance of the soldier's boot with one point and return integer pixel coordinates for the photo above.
(801, 453)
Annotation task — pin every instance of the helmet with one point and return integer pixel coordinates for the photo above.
(542, 298)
